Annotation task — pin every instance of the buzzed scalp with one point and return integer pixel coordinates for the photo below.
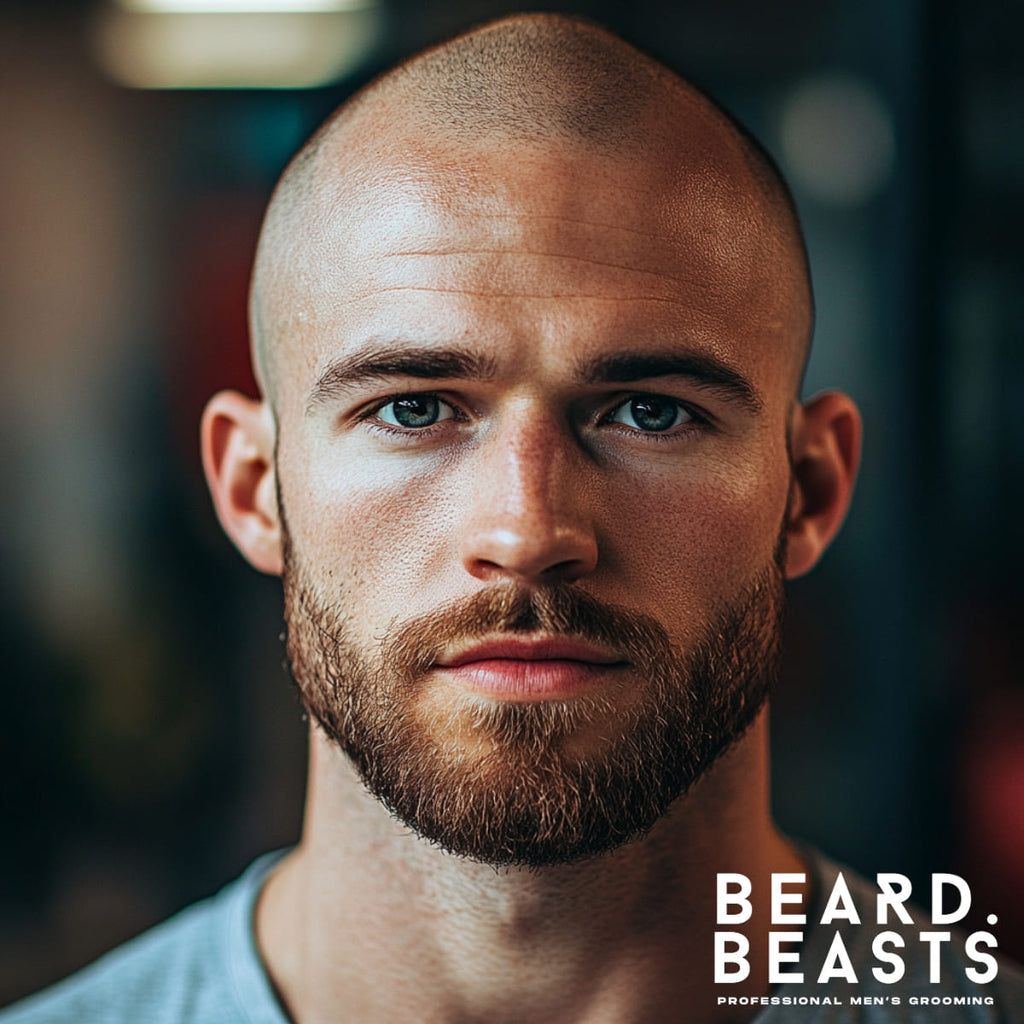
(535, 78)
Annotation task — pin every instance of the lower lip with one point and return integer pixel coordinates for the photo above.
(516, 679)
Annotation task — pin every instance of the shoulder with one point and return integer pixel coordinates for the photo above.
(158, 976)
(201, 965)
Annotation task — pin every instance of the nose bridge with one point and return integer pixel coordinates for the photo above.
(530, 463)
(528, 518)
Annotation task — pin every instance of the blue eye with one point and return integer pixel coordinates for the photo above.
(414, 412)
(651, 414)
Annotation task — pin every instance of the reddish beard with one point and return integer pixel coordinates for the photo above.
(544, 782)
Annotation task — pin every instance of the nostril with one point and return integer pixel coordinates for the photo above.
(566, 568)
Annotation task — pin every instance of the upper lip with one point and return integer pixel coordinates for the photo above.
(523, 649)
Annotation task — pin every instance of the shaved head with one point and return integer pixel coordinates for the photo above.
(536, 83)
(529, 315)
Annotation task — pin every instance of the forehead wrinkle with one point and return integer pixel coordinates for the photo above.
(415, 213)
(505, 297)
(412, 197)
(504, 256)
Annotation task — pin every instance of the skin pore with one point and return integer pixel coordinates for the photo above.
(470, 309)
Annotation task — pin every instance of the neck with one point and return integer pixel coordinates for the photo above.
(365, 916)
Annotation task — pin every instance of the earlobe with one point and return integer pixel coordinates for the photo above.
(825, 441)
(238, 458)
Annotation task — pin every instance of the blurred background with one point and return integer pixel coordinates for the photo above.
(150, 745)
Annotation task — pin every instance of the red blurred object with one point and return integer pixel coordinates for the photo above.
(992, 810)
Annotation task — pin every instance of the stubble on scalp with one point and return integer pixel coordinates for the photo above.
(533, 783)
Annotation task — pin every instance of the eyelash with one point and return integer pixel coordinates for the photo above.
(698, 420)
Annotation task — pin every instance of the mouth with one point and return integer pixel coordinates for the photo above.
(515, 668)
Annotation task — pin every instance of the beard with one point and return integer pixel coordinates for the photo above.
(533, 783)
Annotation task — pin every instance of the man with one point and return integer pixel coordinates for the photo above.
(529, 317)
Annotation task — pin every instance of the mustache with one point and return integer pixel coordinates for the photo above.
(565, 612)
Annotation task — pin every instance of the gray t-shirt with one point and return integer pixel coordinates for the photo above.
(203, 967)
(200, 967)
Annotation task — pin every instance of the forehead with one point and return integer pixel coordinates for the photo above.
(543, 253)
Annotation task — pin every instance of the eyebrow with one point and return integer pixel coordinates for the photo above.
(348, 373)
(705, 371)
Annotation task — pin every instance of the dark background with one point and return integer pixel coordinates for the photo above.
(150, 745)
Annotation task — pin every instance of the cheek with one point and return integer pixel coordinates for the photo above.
(690, 541)
(375, 535)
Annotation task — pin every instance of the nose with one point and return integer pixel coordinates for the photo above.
(528, 519)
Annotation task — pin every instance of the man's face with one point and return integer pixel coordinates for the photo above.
(532, 416)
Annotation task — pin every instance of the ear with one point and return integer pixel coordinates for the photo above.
(825, 440)
(238, 458)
